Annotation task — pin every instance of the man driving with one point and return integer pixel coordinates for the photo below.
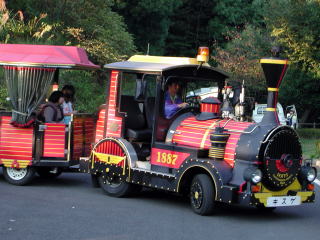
(173, 102)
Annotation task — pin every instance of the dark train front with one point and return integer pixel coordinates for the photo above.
(259, 164)
(206, 154)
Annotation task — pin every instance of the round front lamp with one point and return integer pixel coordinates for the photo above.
(253, 175)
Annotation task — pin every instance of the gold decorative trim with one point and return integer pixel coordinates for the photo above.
(273, 89)
(274, 61)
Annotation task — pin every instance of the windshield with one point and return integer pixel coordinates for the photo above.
(191, 87)
(186, 94)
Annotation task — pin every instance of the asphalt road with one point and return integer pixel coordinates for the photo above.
(69, 208)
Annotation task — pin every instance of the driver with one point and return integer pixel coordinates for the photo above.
(173, 102)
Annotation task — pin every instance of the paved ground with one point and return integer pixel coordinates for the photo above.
(69, 208)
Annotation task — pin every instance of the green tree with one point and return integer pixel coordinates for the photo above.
(240, 57)
(90, 24)
(209, 23)
(148, 21)
(295, 24)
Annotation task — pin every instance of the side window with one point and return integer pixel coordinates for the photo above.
(151, 81)
(128, 84)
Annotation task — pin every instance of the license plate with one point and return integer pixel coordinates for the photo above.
(283, 201)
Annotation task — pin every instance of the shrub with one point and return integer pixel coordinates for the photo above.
(309, 133)
(318, 148)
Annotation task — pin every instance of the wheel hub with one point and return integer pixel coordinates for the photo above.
(17, 174)
(196, 195)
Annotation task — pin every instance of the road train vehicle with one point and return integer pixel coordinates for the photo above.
(201, 151)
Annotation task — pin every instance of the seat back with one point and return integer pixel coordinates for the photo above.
(149, 111)
(134, 118)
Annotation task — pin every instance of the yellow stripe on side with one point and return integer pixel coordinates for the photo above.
(20, 163)
(274, 61)
(271, 109)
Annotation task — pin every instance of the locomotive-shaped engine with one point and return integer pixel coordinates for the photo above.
(202, 151)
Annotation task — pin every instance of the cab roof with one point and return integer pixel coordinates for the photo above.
(157, 64)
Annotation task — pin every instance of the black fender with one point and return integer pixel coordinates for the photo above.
(106, 169)
(218, 171)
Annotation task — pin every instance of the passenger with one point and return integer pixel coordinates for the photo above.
(52, 111)
(173, 102)
(67, 106)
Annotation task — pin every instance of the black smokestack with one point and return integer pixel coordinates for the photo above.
(274, 70)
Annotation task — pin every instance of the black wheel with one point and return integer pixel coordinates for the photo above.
(95, 181)
(202, 193)
(47, 172)
(117, 187)
(18, 176)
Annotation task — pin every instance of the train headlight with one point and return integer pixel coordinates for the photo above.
(253, 175)
(309, 173)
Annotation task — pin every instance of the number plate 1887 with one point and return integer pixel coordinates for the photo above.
(283, 201)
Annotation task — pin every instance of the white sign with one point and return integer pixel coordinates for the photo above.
(283, 201)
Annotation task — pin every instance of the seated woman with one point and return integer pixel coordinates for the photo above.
(52, 111)
(173, 102)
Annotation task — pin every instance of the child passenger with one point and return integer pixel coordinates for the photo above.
(67, 106)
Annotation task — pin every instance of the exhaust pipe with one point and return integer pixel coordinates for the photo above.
(274, 70)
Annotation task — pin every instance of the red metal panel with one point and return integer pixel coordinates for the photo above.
(196, 134)
(89, 126)
(78, 138)
(167, 158)
(112, 148)
(114, 123)
(54, 140)
(15, 144)
(100, 125)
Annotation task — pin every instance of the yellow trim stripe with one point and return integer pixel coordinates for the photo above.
(273, 89)
(271, 109)
(159, 59)
(274, 61)
(204, 139)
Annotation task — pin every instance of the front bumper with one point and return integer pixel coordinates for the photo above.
(260, 199)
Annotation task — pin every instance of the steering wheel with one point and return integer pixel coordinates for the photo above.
(193, 101)
(187, 109)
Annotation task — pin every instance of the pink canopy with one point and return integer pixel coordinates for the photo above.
(44, 56)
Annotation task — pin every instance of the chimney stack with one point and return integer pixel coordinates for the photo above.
(274, 70)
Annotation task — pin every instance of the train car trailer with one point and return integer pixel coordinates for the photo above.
(26, 144)
(196, 152)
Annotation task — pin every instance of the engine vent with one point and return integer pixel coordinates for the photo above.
(282, 160)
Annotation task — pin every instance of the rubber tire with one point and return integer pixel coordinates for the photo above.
(44, 172)
(95, 181)
(24, 181)
(124, 189)
(208, 189)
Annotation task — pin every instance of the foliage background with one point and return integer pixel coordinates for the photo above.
(238, 32)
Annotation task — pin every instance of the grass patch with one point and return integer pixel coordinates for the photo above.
(309, 147)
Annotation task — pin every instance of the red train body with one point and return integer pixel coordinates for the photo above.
(202, 150)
